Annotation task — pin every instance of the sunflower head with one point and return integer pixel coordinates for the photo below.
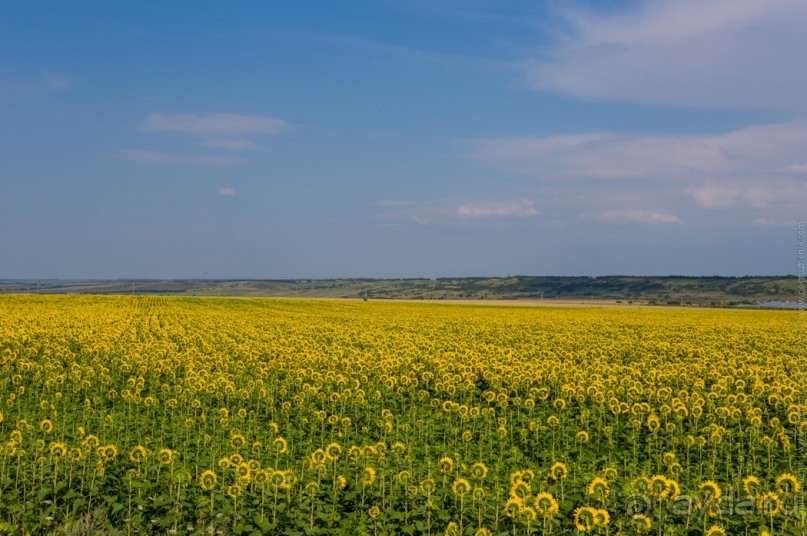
(108, 452)
(558, 471)
(277, 479)
(598, 489)
(260, 477)
(243, 472)
(280, 445)
(333, 451)
(403, 477)
(368, 476)
(658, 486)
(610, 474)
(318, 457)
(787, 485)
(339, 483)
(769, 504)
(521, 490)
(479, 471)
(427, 486)
(46, 426)
(546, 505)
(207, 480)
(752, 486)
(237, 441)
(58, 449)
(165, 456)
(513, 506)
(446, 464)
(601, 517)
(640, 523)
(234, 491)
(461, 487)
(585, 518)
(289, 479)
(709, 491)
(673, 489)
(527, 515)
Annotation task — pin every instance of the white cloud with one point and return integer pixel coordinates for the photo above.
(455, 210)
(754, 169)
(53, 81)
(156, 157)
(394, 203)
(502, 209)
(768, 222)
(754, 150)
(759, 194)
(797, 168)
(743, 54)
(40, 84)
(727, 196)
(637, 216)
(217, 124)
(232, 132)
(232, 144)
(228, 192)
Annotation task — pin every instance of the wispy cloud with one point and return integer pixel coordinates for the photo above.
(760, 194)
(156, 157)
(216, 124)
(227, 192)
(232, 144)
(757, 168)
(761, 149)
(457, 210)
(40, 84)
(231, 132)
(768, 222)
(394, 203)
(742, 54)
(797, 168)
(502, 209)
(636, 216)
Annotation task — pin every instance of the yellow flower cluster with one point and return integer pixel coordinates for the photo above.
(363, 414)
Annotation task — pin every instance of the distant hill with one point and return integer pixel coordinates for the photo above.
(673, 290)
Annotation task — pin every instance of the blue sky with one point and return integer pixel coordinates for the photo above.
(401, 138)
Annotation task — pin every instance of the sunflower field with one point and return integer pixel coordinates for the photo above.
(154, 415)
